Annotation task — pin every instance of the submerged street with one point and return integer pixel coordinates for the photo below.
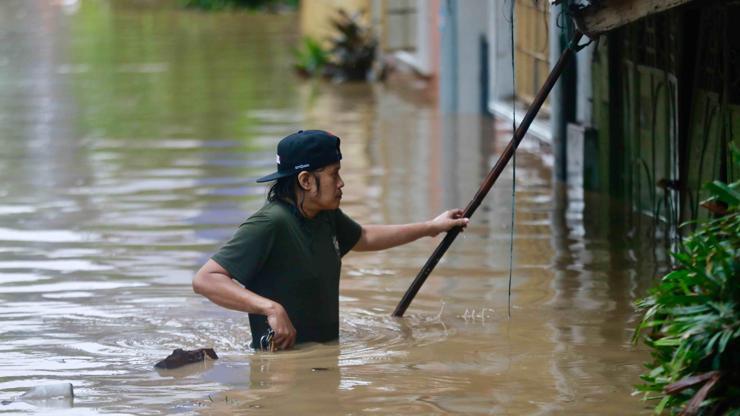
(131, 136)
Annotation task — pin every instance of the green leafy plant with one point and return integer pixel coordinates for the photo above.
(349, 56)
(691, 318)
(311, 58)
(352, 48)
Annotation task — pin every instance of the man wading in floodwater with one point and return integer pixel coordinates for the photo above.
(288, 254)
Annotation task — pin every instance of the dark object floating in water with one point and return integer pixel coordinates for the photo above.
(320, 369)
(180, 357)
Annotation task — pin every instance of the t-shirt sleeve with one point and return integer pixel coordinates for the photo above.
(245, 254)
(348, 232)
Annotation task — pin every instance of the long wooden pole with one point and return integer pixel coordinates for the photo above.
(491, 177)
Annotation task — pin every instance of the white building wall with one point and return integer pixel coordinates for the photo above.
(584, 87)
(501, 87)
(463, 25)
(501, 82)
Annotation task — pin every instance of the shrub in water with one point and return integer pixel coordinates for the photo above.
(691, 318)
(310, 57)
(350, 53)
(352, 48)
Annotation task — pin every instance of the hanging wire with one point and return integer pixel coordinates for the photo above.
(560, 22)
(564, 21)
(513, 161)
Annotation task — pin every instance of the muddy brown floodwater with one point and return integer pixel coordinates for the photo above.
(130, 135)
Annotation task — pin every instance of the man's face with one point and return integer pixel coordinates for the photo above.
(330, 184)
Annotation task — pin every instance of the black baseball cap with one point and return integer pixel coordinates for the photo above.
(304, 150)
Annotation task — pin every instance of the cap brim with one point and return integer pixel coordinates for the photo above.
(273, 176)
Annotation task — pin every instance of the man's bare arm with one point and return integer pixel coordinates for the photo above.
(215, 283)
(380, 237)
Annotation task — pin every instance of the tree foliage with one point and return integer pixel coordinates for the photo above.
(238, 4)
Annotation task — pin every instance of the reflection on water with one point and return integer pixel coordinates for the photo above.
(131, 134)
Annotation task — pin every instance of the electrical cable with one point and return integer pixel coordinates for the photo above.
(513, 161)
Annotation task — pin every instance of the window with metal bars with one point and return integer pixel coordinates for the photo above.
(531, 48)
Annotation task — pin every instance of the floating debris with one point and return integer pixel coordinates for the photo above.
(47, 391)
(180, 357)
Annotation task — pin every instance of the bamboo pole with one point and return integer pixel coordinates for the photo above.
(492, 175)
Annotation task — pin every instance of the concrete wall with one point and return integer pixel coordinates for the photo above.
(463, 24)
(424, 58)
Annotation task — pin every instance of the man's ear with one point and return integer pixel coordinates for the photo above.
(305, 180)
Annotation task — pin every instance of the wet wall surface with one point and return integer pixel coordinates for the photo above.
(130, 136)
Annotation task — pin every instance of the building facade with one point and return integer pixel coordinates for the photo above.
(645, 113)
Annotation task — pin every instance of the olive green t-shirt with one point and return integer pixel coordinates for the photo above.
(294, 261)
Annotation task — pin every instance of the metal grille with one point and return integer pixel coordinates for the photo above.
(531, 47)
(650, 118)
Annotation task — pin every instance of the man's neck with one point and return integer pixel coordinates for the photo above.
(309, 213)
(305, 209)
